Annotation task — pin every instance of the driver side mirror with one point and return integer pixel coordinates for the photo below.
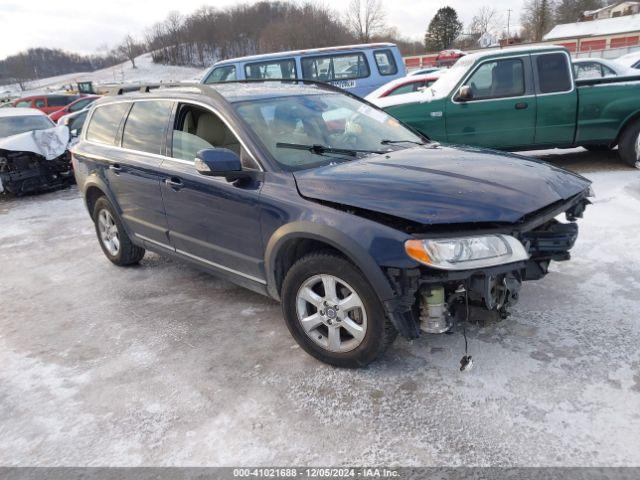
(464, 94)
(219, 162)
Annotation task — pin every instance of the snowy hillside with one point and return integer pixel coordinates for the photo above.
(146, 71)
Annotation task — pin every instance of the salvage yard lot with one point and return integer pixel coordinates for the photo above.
(162, 364)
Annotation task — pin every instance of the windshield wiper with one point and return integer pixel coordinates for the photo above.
(322, 149)
(391, 142)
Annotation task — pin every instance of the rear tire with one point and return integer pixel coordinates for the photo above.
(112, 237)
(629, 144)
(352, 335)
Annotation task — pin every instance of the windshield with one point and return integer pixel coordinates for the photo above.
(331, 120)
(15, 125)
(450, 78)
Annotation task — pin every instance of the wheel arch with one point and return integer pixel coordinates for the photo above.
(630, 120)
(285, 242)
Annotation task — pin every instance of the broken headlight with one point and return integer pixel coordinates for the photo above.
(465, 253)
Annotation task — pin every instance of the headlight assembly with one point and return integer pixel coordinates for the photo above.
(465, 253)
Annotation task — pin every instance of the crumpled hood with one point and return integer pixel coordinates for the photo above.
(50, 142)
(443, 185)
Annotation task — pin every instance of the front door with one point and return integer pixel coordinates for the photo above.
(212, 220)
(501, 112)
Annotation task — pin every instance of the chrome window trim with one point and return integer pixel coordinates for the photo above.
(159, 156)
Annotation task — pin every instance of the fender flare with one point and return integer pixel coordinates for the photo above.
(333, 237)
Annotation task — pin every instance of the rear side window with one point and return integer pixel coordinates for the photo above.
(60, 100)
(146, 126)
(553, 73)
(335, 67)
(275, 70)
(104, 123)
(222, 74)
(385, 62)
(24, 103)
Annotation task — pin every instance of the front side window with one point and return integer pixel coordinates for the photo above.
(385, 62)
(197, 129)
(145, 127)
(15, 125)
(40, 103)
(553, 73)
(222, 74)
(105, 122)
(335, 67)
(497, 79)
(328, 119)
(279, 69)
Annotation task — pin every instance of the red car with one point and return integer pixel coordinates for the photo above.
(74, 106)
(408, 84)
(45, 103)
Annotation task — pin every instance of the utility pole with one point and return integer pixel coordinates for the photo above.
(508, 21)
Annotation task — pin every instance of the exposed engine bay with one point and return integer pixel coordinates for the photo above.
(35, 161)
(432, 301)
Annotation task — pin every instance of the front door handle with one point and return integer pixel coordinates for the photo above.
(174, 182)
(521, 105)
(115, 167)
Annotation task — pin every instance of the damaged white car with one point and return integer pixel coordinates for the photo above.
(33, 152)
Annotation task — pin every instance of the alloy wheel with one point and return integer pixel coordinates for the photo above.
(331, 313)
(108, 232)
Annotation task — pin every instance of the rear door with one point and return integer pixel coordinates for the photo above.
(134, 175)
(502, 110)
(557, 99)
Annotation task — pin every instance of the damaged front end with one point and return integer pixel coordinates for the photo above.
(481, 271)
(27, 172)
(35, 161)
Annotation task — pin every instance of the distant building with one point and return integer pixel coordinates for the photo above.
(619, 9)
(620, 32)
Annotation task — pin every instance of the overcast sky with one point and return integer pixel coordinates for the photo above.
(86, 26)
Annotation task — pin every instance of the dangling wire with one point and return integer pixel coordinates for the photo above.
(466, 363)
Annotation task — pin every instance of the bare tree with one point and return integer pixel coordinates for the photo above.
(365, 18)
(130, 49)
(537, 18)
(484, 21)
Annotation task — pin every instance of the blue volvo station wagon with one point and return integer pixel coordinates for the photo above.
(361, 227)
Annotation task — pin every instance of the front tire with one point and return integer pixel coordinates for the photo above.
(112, 237)
(629, 144)
(333, 312)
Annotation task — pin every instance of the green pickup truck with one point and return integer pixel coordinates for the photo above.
(524, 99)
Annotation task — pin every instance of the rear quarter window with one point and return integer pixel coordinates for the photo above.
(104, 123)
(146, 126)
(385, 62)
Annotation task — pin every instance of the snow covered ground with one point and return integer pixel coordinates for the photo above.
(164, 365)
(145, 71)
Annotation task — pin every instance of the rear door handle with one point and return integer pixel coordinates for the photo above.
(521, 105)
(174, 182)
(115, 167)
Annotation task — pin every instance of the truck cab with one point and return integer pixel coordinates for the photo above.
(521, 99)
